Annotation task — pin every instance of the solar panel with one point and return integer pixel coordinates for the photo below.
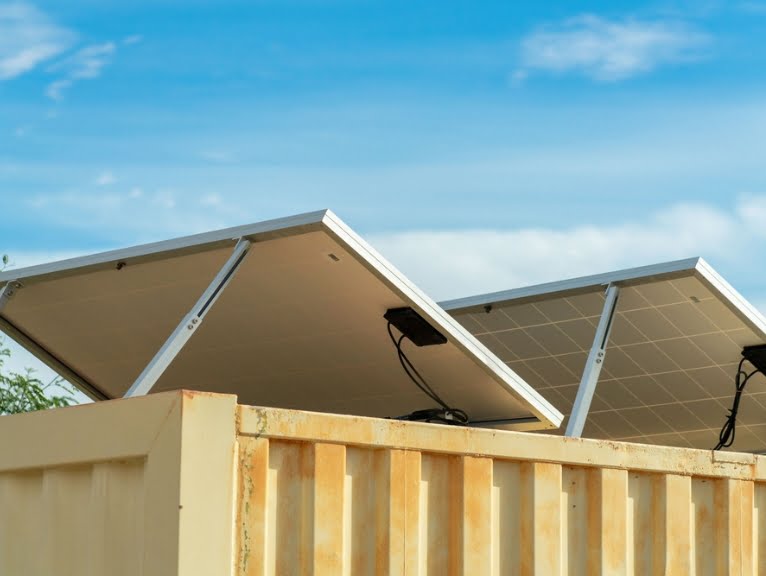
(668, 374)
(300, 325)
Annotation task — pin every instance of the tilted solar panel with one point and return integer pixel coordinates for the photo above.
(668, 374)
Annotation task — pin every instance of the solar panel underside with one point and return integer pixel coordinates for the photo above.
(301, 325)
(668, 377)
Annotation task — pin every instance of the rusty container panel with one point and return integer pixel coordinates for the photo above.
(324, 494)
(190, 484)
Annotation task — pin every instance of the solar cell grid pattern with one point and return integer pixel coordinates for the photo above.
(668, 377)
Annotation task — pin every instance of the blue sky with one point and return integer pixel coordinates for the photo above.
(479, 145)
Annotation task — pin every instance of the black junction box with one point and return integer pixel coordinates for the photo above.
(414, 326)
(756, 355)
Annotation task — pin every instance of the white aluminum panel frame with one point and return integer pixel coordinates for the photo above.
(627, 277)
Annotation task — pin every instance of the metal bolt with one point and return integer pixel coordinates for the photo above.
(195, 320)
(190, 327)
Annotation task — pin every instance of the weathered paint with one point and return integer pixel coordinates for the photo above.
(424, 500)
(191, 484)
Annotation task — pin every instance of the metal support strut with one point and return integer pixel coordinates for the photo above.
(593, 365)
(189, 325)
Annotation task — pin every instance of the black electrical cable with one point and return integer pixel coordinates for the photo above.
(413, 373)
(445, 414)
(409, 369)
(729, 429)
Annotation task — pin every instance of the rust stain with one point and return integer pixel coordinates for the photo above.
(672, 517)
(246, 482)
(193, 395)
(251, 520)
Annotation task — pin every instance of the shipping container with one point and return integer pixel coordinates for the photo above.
(190, 483)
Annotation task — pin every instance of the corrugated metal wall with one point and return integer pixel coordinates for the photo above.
(143, 487)
(49, 516)
(369, 505)
(149, 487)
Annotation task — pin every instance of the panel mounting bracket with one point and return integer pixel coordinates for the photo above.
(190, 323)
(7, 292)
(593, 365)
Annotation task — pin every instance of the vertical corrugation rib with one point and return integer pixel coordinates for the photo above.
(474, 485)
(542, 518)
(759, 528)
(506, 518)
(318, 508)
(83, 520)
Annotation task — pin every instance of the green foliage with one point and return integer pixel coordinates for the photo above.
(25, 392)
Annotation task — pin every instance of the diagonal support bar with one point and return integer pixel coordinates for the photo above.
(40, 352)
(190, 324)
(593, 365)
(51, 361)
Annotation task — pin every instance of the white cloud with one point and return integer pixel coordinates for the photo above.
(211, 200)
(456, 263)
(132, 39)
(55, 90)
(22, 259)
(27, 38)
(752, 212)
(131, 215)
(453, 263)
(86, 63)
(610, 50)
(105, 178)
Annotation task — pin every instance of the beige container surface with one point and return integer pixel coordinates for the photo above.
(192, 484)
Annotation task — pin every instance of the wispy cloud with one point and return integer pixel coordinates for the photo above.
(55, 90)
(456, 263)
(610, 50)
(132, 39)
(453, 263)
(27, 38)
(105, 178)
(134, 214)
(86, 63)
